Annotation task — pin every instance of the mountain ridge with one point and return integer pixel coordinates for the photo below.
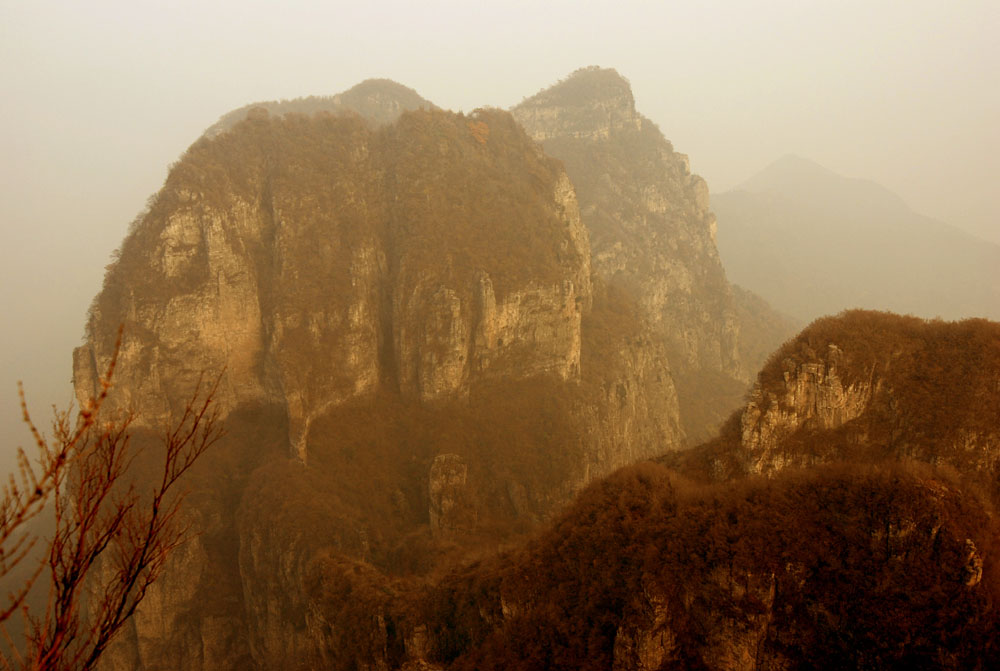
(379, 100)
(812, 242)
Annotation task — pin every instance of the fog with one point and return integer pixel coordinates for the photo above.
(99, 98)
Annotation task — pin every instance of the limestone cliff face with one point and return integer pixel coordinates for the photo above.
(451, 324)
(592, 103)
(650, 225)
(867, 386)
(812, 396)
(636, 412)
(307, 278)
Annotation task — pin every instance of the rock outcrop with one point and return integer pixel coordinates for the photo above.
(867, 386)
(308, 277)
(651, 231)
(813, 396)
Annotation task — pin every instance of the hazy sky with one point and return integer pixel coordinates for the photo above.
(99, 97)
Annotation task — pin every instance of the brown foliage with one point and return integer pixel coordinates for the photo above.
(843, 567)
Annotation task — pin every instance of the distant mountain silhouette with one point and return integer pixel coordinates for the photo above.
(813, 242)
(381, 101)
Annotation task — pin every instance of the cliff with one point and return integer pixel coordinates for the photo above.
(652, 233)
(417, 363)
(865, 386)
(309, 259)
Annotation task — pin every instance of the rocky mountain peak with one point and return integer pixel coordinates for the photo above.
(651, 230)
(592, 102)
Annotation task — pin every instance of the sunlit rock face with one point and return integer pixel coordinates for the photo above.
(306, 277)
(868, 386)
(813, 395)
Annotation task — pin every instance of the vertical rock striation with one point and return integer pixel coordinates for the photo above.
(308, 277)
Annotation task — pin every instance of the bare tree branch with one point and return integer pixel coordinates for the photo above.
(112, 537)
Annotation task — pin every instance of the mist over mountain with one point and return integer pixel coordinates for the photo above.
(381, 101)
(447, 347)
(812, 243)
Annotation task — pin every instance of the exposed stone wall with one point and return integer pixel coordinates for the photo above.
(813, 396)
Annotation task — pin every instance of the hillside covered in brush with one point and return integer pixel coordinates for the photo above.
(865, 386)
(846, 518)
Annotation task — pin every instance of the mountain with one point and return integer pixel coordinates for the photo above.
(812, 243)
(416, 362)
(652, 234)
(429, 335)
